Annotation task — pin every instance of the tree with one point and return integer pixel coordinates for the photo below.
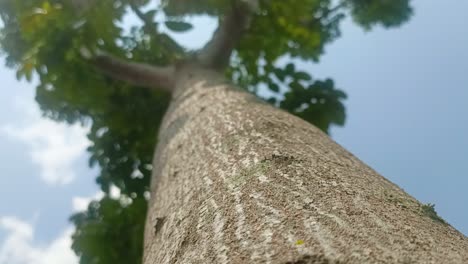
(209, 130)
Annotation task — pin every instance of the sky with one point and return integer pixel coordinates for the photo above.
(407, 119)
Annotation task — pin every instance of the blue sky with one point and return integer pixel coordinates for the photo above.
(407, 118)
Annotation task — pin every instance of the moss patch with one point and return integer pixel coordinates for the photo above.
(260, 168)
(399, 201)
(230, 143)
(429, 210)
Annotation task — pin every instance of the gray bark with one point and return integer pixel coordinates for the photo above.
(238, 181)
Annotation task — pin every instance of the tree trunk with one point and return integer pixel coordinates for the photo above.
(237, 181)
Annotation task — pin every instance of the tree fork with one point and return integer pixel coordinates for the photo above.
(217, 52)
(236, 180)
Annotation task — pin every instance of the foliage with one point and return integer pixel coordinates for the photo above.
(429, 211)
(43, 37)
(100, 229)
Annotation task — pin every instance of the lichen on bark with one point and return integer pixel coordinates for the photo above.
(238, 181)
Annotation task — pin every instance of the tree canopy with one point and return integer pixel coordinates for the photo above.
(44, 38)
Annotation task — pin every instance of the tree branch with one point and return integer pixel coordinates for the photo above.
(217, 52)
(140, 74)
(148, 22)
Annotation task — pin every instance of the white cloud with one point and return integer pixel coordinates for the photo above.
(80, 203)
(54, 147)
(19, 248)
(114, 192)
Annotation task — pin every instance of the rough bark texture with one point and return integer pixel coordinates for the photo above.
(238, 181)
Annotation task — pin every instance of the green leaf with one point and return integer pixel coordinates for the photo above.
(290, 69)
(296, 86)
(19, 75)
(280, 74)
(274, 87)
(178, 26)
(271, 100)
(150, 14)
(302, 76)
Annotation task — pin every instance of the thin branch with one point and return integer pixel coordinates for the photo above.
(332, 10)
(338, 6)
(81, 6)
(148, 22)
(140, 74)
(149, 25)
(139, 13)
(217, 51)
(324, 14)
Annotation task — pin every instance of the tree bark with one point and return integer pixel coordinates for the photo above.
(237, 181)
